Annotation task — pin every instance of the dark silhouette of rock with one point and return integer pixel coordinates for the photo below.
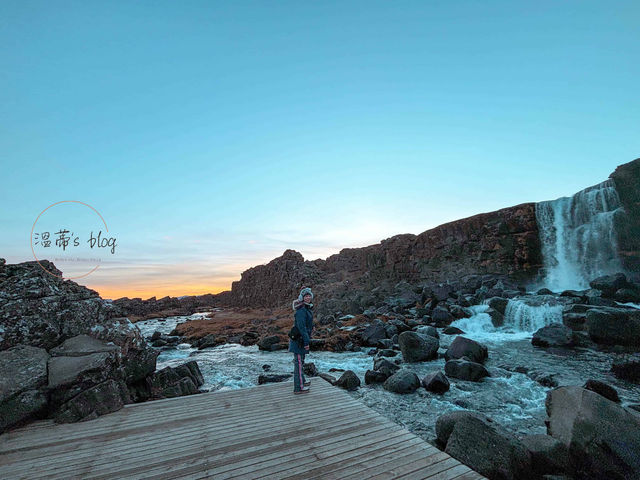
(435, 382)
(465, 347)
(549, 456)
(403, 381)
(553, 335)
(375, 332)
(23, 378)
(267, 343)
(614, 326)
(262, 379)
(602, 437)
(609, 284)
(416, 347)
(384, 366)
(601, 388)
(484, 446)
(465, 370)
(627, 368)
(348, 380)
(373, 376)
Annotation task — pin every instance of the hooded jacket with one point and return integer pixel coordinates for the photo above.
(304, 321)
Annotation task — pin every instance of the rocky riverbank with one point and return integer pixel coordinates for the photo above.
(67, 354)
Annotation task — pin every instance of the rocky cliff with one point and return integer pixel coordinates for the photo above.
(503, 244)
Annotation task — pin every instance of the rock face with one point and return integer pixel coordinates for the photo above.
(23, 374)
(65, 353)
(487, 448)
(416, 347)
(602, 437)
(627, 180)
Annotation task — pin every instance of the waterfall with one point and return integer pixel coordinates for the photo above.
(578, 237)
(529, 315)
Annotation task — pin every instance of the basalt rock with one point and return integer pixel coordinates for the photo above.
(465, 347)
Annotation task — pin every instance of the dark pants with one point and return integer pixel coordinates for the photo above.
(298, 374)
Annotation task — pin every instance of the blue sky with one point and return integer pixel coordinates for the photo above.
(212, 136)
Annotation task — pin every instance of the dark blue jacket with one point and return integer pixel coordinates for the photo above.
(304, 322)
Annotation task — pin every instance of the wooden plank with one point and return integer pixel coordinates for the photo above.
(77, 446)
(384, 464)
(163, 441)
(246, 433)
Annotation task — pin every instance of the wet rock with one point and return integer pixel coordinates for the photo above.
(403, 381)
(384, 366)
(156, 336)
(614, 326)
(266, 367)
(208, 342)
(602, 437)
(553, 335)
(549, 455)
(348, 380)
(625, 295)
(175, 381)
(441, 316)
(385, 343)
(465, 370)
(609, 284)
(485, 447)
(386, 353)
(416, 347)
(452, 331)
(435, 382)
(601, 388)
(465, 347)
(273, 378)
(428, 330)
(266, 343)
(497, 318)
(373, 376)
(544, 291)
(627, 368)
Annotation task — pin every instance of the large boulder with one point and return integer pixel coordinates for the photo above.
(464, 369)
(403, 381)
(484, 446)
(176, 381)
(549, 455)
(465, 347)
(609, 284)
(602, 437)
(614, 326)
(601, 388)
(384, 366)
(267, 343)
(416, 347)
(553, 335)
(23, 378)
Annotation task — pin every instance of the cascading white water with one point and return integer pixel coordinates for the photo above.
(578, 237)
(525, 316)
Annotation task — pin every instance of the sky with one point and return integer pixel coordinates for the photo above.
(205, 138)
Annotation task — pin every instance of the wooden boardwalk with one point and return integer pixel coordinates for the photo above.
(261, 432)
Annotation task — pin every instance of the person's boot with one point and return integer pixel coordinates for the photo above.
(307, 383)
(302, 390)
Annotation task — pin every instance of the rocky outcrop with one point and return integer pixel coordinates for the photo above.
(139, 309)
(614, 326)
(65, 353)
(553, 335)
(627, 180)
(416, 347)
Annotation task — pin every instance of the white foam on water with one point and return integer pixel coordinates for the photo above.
(479, 327)
(523, 316)
(629, 304)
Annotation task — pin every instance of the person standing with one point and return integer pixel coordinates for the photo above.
(303, 320)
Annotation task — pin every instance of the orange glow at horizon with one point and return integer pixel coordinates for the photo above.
(108, 291)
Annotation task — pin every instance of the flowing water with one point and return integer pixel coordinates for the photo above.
(510, 398)
(578, 237)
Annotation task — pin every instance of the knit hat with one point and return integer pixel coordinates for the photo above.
(299, 302)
